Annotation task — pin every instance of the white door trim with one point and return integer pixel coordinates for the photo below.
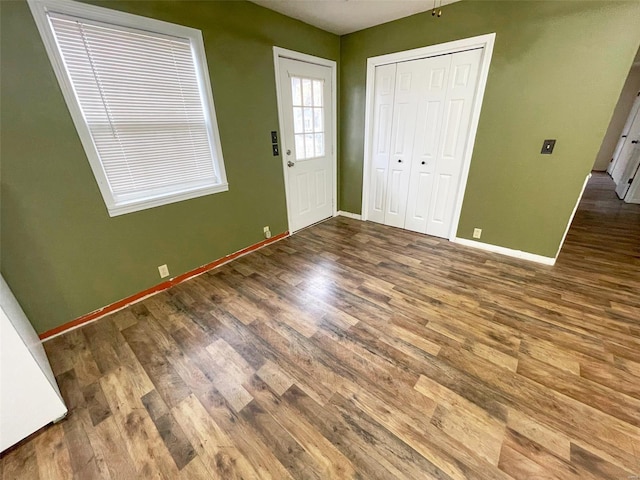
(279, 53)
(485, 42)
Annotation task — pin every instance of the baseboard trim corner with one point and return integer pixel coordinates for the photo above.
(125, 302)
(355, 216)
(532, 257)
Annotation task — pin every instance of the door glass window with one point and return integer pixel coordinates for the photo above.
(308, 117)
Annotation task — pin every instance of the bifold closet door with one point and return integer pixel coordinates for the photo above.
(398, 95)
(462, 84)
(626, 152)
(385, 81)
(624, 136)
(422, 111)
(408, 89)
(426, 150)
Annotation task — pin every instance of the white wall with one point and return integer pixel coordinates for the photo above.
(620, 114)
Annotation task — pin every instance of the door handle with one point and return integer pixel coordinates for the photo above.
(423, 163)
(399, 160)
(634, 141)
(290, 163)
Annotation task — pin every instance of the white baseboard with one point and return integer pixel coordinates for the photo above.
(355, 216)
(506, 251)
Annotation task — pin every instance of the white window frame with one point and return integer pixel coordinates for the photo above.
(39, 10)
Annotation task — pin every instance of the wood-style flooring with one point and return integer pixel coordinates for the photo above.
(355, 350)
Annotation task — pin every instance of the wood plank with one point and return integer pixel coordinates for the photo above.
(172, 435)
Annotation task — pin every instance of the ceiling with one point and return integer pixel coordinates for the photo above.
(347, 16)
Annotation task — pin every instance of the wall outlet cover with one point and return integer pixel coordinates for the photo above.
(477, 232)
(163, 270)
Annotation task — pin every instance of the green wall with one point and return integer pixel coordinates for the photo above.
(61, 252)
(557, 71)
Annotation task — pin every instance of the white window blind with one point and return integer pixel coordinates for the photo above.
(145, 109)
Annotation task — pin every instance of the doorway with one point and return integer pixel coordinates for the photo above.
(422, 113)
(306, 93)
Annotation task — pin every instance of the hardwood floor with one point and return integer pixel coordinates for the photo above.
(355, 350)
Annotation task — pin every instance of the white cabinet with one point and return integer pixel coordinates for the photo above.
(29, 395)
(422, 111)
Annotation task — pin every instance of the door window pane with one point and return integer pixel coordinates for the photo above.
(297, 120)
(318, 125)
(296, 91)
(308, 120)
(307, 94)
(317, 92)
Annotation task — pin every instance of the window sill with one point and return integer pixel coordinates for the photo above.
(143, 204)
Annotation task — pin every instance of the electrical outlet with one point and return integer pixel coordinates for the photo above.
(163, 270)
(477, 232)
(267, 232)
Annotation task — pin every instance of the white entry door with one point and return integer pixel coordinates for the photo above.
(422, 111)
(307, 141)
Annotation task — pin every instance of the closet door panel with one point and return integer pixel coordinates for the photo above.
(461, 89)
(382, 121)
(432, 94)
(409, 76)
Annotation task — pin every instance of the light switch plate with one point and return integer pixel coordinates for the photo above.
(547, 147)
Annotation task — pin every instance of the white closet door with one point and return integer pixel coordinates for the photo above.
(633, 194)
(405, 107)
(630, 171)
(462, 83)
(624, 135)
(382, 120)
(434, 80)
(626, 152)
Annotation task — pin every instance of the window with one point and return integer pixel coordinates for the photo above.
(308, 117)
(138, 91)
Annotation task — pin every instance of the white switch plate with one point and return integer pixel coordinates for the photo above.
(163, 270)
(477, 232)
